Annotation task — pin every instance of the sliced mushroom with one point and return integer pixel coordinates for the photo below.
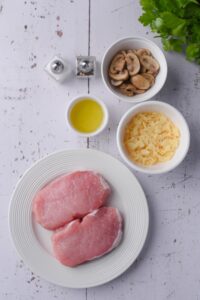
(149, 77)
(137, 91)
(143, 51)
(117, 63)
(133, 71)
(132, 63)
(140, 82)
(127, 89)
(123, 75)
(116, 82)
(152, 73)
(131, 51)
(124, 53)
(150, 63)
(143, 69)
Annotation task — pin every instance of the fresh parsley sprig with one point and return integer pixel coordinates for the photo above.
(177, 22)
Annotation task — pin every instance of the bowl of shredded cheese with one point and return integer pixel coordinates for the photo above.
(153, 137)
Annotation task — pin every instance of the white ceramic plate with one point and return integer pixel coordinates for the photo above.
(32, 242)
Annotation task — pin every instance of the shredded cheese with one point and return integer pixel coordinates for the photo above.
(151, 138)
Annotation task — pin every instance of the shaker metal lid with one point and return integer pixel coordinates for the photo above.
(85, 66)
(58, 68)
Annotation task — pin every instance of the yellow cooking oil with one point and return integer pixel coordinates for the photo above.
(86, 116)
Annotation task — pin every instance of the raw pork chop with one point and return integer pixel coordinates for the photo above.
(68, 197)
(97, 234)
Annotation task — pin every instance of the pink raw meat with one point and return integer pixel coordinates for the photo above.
(97, 234)
(68, 197)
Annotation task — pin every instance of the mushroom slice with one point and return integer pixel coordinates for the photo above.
(123, 52)
(140, 82)
(150, 63)
(127, 89)
(116, 82)
(131, 51)
(132, 63)
(123, 75)
(117, 64)
(143, 69)
(149, 77)
(143, 51)
(137, 91)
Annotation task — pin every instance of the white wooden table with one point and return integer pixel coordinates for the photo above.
(33, 124)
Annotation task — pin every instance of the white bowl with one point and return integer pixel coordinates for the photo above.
(103, 106)
(131, 43)
(176, 118)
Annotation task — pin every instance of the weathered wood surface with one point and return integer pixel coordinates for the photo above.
(33, 124)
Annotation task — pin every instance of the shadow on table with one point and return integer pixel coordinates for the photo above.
(171, 88)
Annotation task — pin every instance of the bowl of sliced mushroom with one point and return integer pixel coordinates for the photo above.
(134, 69)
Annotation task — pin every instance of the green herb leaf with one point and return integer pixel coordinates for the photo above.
(193, 52)
(184, 3)
(146, 18)
(177, 22)
(172, 44)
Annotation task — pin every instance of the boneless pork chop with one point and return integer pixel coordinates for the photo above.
(97, 234)
(68, 197)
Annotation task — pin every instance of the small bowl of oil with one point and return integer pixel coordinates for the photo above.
(87, 115)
